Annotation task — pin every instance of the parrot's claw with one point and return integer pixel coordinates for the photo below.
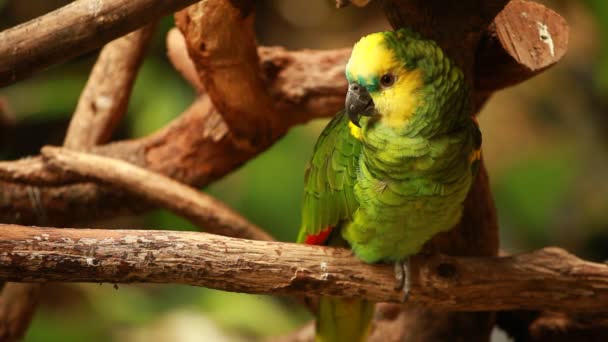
(402, 270)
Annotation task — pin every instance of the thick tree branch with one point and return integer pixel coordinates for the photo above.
(525, 39)
(228, 65)
(202, 210)
(104, 100)
(546, 279)
(177, 51)
(72, 30)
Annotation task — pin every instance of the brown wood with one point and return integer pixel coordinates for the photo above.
(17, 307)
(73, 30)
(104, 100)
(177, 51)
(525, 39)
(552, 326)
(227, 63)
(202, 210)
(549, 278)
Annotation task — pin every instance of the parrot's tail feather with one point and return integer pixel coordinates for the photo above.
(344, 320)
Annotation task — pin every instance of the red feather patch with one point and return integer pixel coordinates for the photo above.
(318, 239)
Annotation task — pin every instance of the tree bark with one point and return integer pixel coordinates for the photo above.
(73, 30)
(546, 279)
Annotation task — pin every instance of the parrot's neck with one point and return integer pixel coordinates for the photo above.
(410, 150)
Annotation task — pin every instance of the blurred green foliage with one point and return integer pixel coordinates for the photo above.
(547, 176)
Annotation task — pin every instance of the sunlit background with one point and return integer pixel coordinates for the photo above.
(545, 143)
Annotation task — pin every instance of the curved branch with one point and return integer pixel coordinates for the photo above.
(549, 278)
(203, 210)
(221, 40)
(73, 30)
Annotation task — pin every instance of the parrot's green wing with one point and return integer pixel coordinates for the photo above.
(329, 179)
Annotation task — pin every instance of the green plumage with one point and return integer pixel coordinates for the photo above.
(393, 187)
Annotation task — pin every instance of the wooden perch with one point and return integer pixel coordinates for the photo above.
(549, 278)
(73, 30)
(202, 210)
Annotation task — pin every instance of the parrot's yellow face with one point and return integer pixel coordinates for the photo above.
(393, 89)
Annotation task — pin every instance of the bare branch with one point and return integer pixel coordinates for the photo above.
(179, 57)
(549, 278)
(221, 40)
(201, 209)
(72, 30)
(17, 307)
(525, 39)
(104, 100)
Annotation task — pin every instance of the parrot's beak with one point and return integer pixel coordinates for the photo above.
(358, 102)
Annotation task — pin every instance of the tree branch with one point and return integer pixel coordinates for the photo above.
(227, 63)
(180, 59)
(17, 307)
(525, 39)
(104, 100)
(202, 210)
(549, 278)
(72, 30)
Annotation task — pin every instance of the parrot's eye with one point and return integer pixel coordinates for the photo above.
(387, 80)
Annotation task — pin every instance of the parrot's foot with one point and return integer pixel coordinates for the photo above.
(402, 275)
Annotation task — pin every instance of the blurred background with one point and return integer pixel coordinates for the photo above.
(545, 143)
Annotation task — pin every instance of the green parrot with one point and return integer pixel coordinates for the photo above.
(393, 168)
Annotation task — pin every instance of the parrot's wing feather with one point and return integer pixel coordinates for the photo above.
(329, 180)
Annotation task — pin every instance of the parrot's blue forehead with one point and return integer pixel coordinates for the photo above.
(371, 83)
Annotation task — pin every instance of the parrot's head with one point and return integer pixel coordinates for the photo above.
(395, 76)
